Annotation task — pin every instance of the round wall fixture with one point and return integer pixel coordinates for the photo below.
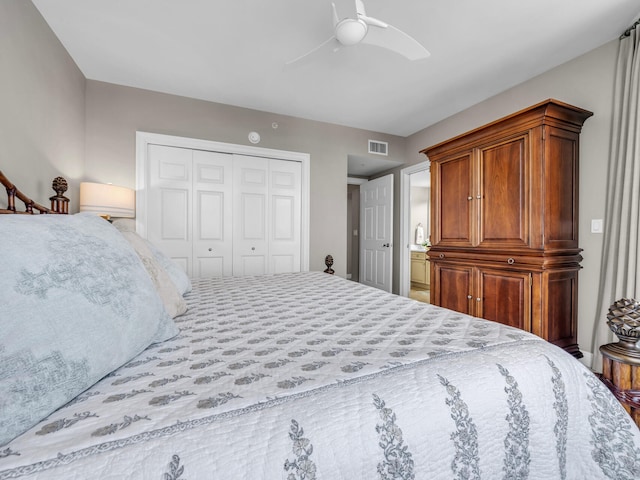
(254, 137)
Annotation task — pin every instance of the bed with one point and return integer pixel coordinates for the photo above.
(290, 376)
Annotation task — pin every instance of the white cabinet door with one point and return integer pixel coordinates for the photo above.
(170, 202)
(250, 210)
(212, 214)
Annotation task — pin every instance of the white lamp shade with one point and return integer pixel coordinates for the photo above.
(107, 200)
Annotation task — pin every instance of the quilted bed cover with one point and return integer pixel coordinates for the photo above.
(309, 376)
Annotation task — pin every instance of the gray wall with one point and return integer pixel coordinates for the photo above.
(586, 82)
(42, 105)
(114, 113)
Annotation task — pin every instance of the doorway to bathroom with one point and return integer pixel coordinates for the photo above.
(415, 229)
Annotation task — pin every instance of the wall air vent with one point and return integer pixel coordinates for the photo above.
(379, 148)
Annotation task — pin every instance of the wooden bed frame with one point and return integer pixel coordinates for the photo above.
(59, 203)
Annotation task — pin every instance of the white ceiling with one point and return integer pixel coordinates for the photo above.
(234, 52)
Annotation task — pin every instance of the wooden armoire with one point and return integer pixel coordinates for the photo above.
(504, 208)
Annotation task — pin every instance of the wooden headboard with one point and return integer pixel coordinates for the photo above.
(59, 203)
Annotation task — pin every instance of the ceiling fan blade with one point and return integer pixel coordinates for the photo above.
(331, 42)
(336, 19)
(397, 41)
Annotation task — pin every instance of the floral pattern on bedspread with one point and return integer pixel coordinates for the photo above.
(273, 351)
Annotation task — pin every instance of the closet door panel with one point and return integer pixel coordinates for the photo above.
(250, 210)
(212, 222)
(169, 195)
(285, 213)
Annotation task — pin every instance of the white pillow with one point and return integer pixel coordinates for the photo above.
(77, 303)
(177, 275)
(171, 297)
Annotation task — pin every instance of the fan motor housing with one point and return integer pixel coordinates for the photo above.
(350, 31)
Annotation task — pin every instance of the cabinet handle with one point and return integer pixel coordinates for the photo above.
(253, 249)
(469, 198)
(211, 249)
(511, 261)
(469, 297)
(478, 299)
(478, 197)
(441, 255)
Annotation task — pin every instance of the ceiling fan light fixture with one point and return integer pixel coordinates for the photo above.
(350, 31)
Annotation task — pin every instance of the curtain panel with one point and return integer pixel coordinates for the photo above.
(621, 249)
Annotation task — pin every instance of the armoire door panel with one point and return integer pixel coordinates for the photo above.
(561, 303)
(560, 185)
(455, 287)
(454, 202)
(503, 194)
(505, 297)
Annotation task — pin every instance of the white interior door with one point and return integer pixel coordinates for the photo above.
(170, 186)
(212, 214)
(376, 233)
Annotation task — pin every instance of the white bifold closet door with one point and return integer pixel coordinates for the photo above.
(221, 214)
(266, 216)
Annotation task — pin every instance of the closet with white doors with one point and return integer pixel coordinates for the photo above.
(220, 213)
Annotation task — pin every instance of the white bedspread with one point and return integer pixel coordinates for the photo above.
(309, 376)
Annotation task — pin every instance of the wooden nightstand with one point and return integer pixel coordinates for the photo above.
(621, 373)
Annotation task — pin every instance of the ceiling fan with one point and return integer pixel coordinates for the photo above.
(371, 31)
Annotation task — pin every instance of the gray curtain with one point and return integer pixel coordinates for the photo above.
(620, 277)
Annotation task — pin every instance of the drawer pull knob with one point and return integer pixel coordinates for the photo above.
(511, 261)
(441, 255)
(469, 198)
(478, 299)
(469, 297)
(211, 249)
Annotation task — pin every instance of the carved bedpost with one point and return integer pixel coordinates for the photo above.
(328, 261)
(59, 203)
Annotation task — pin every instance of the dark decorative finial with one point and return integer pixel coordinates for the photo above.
(328, 261)
(59, 186)
(59, 203)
